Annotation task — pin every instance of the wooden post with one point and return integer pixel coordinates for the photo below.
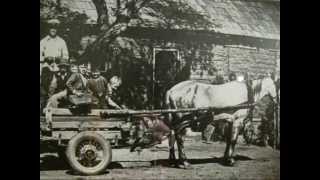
(275, 128)
(278, 123)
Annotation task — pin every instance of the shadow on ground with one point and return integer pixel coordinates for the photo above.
(218, 160)
(54, 163)
(51, 162)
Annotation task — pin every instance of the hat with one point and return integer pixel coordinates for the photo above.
(64, 62)
(82, 65)
(53, 23)
(95, 69)
(48, 59)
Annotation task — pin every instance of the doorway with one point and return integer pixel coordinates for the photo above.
(166, 66)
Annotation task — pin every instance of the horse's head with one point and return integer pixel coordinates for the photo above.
(263, 87)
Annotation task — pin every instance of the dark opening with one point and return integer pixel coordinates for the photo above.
(166, 69)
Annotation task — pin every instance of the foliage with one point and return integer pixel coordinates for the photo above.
(73, 24)
(136, 72)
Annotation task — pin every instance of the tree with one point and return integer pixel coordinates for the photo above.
(136, 91)
(103, 15)
(112, 22)
(171, 13)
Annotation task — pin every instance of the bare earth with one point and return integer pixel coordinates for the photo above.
(252, 163)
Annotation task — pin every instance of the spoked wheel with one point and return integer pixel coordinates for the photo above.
(89, 153)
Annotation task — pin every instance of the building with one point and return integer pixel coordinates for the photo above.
(246, 38)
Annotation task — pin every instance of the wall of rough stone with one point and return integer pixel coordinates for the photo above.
(227, 59)
(208, 60)
(255, 61)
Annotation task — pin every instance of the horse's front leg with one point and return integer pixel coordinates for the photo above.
(172, 156)
(232, 137)
(183, 163)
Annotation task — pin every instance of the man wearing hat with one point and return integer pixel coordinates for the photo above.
(63, 75)
(73, 84)
(52, 47)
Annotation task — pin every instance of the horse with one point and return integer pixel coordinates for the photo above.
(193, 94)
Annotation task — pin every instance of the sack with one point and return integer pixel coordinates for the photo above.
(80, 100)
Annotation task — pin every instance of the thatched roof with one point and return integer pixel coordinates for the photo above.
(255, 18)
(82, 6)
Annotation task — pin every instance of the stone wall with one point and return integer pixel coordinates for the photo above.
(238, 59)
(207, 59)
(255, 61)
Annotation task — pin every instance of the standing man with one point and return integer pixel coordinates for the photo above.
(52, 46)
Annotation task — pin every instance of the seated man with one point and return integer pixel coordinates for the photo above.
(62, 76)
(102, 90)
(98, 87)
(112, 86)
(75, 85)
(61, 79)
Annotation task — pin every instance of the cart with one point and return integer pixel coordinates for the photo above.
(86, 141)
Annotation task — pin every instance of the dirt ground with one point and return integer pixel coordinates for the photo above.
(253, 162)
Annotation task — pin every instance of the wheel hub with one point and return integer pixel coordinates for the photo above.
(88, 152)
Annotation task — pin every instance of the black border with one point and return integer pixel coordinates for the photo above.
(20, 82)
(20, 92)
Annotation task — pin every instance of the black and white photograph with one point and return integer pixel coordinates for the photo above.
(160, 89)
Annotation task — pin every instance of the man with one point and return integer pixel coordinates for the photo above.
(62, 76)
(265, 109)
(48, 81)
(74, 85)
(77, 84)
(52, 45)
(98, 88)
(45, 84)
(232, 77)
(102, 90)
(112, 86)
(74, 68)
(61, 79)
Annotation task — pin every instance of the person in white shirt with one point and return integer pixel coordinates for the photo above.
(52, 46)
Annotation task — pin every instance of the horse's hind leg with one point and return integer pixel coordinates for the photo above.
(232, 137)
(182, 155)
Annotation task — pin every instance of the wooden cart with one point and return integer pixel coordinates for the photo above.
(86, 141)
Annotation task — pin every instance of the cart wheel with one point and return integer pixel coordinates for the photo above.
(89, 153)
